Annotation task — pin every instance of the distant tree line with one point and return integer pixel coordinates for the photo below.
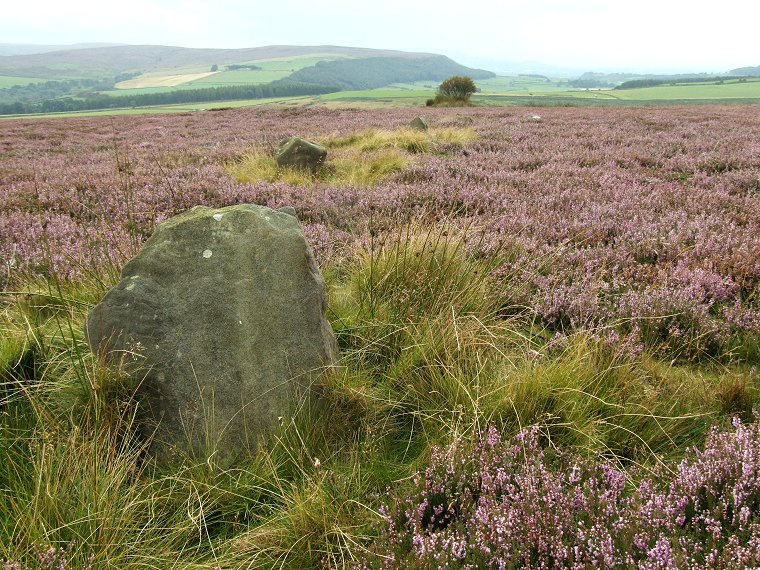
(591, 80)
(589, 83)
(225, 93)
(374, 72)
(36, 92)
(52, 89)
(639, 83)
(242, 67)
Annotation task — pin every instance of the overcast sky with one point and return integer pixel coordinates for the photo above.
(656, 35)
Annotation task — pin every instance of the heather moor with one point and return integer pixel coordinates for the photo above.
(548, 322)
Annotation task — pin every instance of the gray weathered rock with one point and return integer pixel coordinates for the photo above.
(299, 153)
(419, 124)
(226, 309)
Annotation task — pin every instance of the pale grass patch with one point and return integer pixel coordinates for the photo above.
(407, 139)
(162, 80)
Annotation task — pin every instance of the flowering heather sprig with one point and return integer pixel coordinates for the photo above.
(501, 504)
(48, 558)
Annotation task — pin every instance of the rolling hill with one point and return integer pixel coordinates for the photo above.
(28, 49)
(753, 71)
(370, 73)
(136, 76)
(101, 62)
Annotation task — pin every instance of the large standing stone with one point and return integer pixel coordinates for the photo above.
(299, 153)
(226, 309)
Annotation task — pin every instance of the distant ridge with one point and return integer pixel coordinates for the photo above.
(752, 71)
(113, 60)
(27, 49)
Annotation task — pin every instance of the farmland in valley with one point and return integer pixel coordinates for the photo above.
(93, 79)
(165, 79)
(265, 71)
(539, 311)
(529, 90)
(152, 77)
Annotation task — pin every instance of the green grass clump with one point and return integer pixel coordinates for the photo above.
(426, 316)
(364, 169)
(362, 159)
(257, 167)
(347, 169)
(407, 139)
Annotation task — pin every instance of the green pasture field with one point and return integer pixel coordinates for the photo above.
(382, 93)
(559, 99)
(500, 91)
(416, 86)
(499, 84)
(10, 81)
(182, 70)
(224, 78)
(517, 84)
(378, 97)
(729, 90)
(415, 94)
(520, 90)
(147, 90)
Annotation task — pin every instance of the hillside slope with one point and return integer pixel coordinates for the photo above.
(753, 71)
(29, 49)
(370, 73)
(110, 61)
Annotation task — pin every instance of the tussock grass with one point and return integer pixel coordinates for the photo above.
(359, 160)
(433, 349)
(407, 139)
(365, 169)
(427, 316)
(344, 170)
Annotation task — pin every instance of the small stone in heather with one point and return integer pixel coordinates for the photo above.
(419, 124)
(300, 153)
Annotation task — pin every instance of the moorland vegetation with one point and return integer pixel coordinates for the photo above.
(549, 332)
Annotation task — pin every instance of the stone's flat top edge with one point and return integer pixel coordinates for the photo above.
(201, 211)
(200, 208)
(293, 140)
